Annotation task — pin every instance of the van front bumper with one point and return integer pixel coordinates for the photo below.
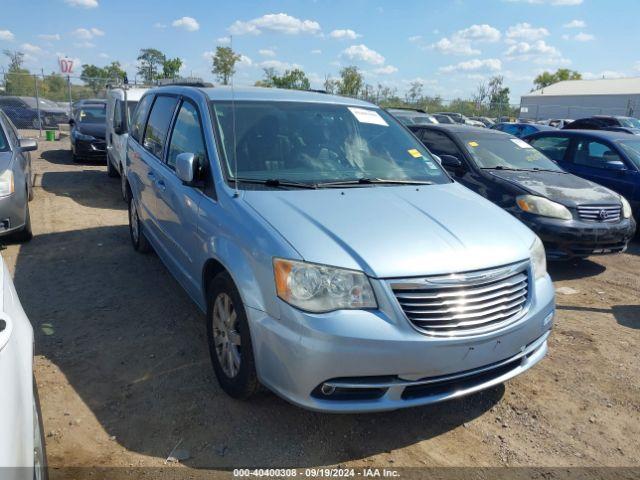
(364, 361)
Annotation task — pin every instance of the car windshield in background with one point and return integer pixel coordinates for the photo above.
(504, 152)
(92, 114)
(629, 122)
(316, 143)
(632, 149)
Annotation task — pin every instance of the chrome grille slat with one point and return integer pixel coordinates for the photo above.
(592, 213)
(466, 303)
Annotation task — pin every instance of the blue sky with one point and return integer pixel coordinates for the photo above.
(450, 45)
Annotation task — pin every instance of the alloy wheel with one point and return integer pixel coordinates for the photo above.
(133, 220)
(225, 335)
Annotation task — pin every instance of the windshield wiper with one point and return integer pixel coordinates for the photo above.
(373, 181)
(499, 167)
(275, 182)
(533, 169)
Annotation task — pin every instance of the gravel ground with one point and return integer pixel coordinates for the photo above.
(124, 375)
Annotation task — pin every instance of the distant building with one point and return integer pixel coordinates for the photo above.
(583, 98)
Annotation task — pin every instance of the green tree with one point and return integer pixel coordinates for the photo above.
(54, 87)
(547, 78)
(95, 77)
(224, 64)
(351, 81)
(331, 84)
(16, 59)
(294, 79)
(114, 71)
(414, 95)
(150, 60)
(171, 67)
(498, 94)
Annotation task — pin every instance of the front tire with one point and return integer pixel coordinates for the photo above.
(26, 233)
(111, 170)
(138, 238)
(230, 344)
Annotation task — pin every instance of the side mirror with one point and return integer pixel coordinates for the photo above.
(28, 144)
(438, 159)
(450, 161)
(72, 122)
(615, 165)
(185, 167)
(118, 129)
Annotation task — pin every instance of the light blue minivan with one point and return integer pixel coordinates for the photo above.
(338, 264)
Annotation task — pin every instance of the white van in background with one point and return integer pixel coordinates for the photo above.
(118, 118)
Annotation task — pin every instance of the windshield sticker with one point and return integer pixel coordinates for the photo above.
(473, 144)
(520, 143)
(414, 153)
(368, 116)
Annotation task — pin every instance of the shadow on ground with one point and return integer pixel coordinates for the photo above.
(574, 269)
(625, 315)
(90, 188)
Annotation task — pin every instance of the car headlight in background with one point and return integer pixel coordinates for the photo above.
(543, 206)
(6, 183)
(81, 136)
(626, 207)
(320, 288)
(538, 259)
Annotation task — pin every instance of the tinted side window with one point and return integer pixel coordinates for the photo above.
(140, 117)
(117, 113)
(553, 147)
(440, 144)
(511, 129)
(594, 154)
(586, 124)
(528, 130)
(158, 125)
(187, 135)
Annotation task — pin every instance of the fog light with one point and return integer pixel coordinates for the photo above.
(548, 318)
(327, 389)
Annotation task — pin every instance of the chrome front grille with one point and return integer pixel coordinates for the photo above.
(600, 213)
(465, 303)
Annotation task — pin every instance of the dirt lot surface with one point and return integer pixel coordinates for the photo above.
(124, 375)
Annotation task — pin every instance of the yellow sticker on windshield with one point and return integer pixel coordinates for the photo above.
(473, 144)
(414, 153)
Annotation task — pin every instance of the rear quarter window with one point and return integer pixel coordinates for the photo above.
(140, 117)
(553, 147)
(155, 134)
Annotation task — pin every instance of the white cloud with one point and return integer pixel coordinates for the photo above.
(525, 31)
(49, 37)
(316, 51)
(415, 38)
(30, 48)
(583, 37)
(278, 65)
(85, 44)
(538, 52)
(7, 35)
(245, 61)
(103, 55)
(274, 22)
(223, 40)
(386, 70)
(267, 52)
(575, 24)
(189, 24)
(159, 25)
(603, 74)
(345, 34)
(82, 3)
(487, 64)
(208, 55)
(364, 54)
(87, 33)
(460, 43)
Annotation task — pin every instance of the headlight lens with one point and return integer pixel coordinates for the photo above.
(538, 259)
(626, 207)
(320, 288)
(82, 136)
(6, 183)
(543, 206)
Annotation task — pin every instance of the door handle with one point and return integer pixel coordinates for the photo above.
(161, 185)
(151, 175)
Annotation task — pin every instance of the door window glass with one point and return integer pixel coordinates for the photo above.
(140, 117)
(158, 125)
(187, 135)
(594, 154)
(553, 147)
(440, 144)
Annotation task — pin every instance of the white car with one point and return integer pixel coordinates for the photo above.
(22, 449)
(118, 117)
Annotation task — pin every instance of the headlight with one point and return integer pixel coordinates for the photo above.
(6, 183)
(319, 288)
(543, 206)
(538, 259)
(626, 207)
(82, 136)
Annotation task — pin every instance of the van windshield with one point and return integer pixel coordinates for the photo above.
(315, 143)
(505, 152)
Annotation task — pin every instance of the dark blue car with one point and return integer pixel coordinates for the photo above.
(611, 159)
(521, 129)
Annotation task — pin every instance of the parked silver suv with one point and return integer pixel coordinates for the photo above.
(338, 264)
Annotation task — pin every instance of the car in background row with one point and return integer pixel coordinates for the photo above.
(338, 264)
(520, 129)
(412, 116)
(462, 119)
(16, 181)
(611, 159)
(573, 216)
(119, 115)
(88, 130)
(23, 112)
(606, 122)
(486, 121)
(555, 122)
(444, 119)
(22, 446)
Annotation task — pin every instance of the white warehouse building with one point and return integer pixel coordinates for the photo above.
(574, 99)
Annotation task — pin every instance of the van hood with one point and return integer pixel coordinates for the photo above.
(560, 187)
(98, 130)
(395, 231)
